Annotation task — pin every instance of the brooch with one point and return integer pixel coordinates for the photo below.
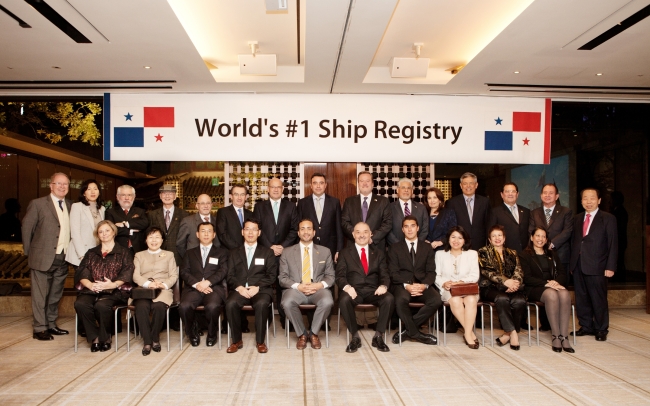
(162, 254)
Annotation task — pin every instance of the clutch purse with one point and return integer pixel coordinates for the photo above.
(464, 289)
(144, 293)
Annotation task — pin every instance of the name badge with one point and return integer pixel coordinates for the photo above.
(213, 261)
(259, 261)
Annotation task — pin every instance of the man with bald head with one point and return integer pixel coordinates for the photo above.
(187, 238)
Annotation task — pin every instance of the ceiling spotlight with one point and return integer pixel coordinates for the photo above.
(56, 67)
(455, 69)
(599, 74)
(516, 71)
(210, 66)
(147, 67)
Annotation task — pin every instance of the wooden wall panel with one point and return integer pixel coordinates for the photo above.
(45, 171)
(341, 178)
(28, 184)
(309, 170)
(8, 178)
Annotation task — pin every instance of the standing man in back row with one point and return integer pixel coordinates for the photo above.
(473, 211)
(168, 218)
(187, 238)
(403, 207)
(513, 217)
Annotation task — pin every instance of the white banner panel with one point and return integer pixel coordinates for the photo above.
(326, 128)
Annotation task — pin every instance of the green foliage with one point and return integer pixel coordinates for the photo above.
(52, 120)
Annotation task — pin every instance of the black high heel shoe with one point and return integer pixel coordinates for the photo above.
(556, 349)
(568, 349)
(499, 342)
(473, 346)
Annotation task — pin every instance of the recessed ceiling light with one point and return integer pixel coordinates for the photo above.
(9, 67)
(599, 74)
(147, 67)
(56, 67)
(516, 71)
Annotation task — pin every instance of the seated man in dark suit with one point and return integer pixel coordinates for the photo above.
(252, 270)
(362, 272)
(203, 271)
(412, 267)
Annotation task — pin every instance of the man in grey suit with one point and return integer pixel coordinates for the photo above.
(307, 274)
(405, 206)
(168, 218)
(46, 236)
(187, 238)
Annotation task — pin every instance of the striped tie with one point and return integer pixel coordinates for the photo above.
(306, 278)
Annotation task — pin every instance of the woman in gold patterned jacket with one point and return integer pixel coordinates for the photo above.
(502, 283)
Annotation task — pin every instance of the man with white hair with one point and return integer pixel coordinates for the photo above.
(131, 221)
(405, 206)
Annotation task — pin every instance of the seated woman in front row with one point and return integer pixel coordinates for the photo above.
(503, 279)
(458, 264)
(544, 279)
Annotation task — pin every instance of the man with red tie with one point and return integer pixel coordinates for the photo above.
(362, 272)
(594, 252)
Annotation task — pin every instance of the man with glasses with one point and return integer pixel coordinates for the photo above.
(187, 238)
(230, 220)
(131, 221)
(168, 218)
(473, 211)
(403, 207)
(46, 236)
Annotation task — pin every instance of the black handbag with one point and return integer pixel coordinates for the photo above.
(144, 293)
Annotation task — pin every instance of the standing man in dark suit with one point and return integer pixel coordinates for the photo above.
(231, 219)
(404, 207)
(362, 273)
(594, 251)
(131, 221)
(412, 268)
(46, 236)
(369, 209)
(187, 231)
(473, 212)
(325, 212)
(278, 219)
(168, 218)
(203, 271)
(513, 217)
(556, 220)
(252, 271)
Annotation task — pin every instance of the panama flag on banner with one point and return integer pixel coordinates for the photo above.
(138, 127)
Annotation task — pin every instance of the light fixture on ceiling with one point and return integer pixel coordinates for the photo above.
(210, 66)
(56, 67)
(516, 72)
(256, 63)
(147, 67)
(410, 67)
(599, 74)
(455, 69)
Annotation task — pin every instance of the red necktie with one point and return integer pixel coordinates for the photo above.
(207, 219)
(364, 260)
(126, 212)
(585, 225)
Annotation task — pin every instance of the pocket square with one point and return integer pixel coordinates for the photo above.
(321, 262)
(135, 216)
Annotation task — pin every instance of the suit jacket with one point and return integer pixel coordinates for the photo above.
(558, 230)
(517, 235)
(137, 219)
(533, 273)
(82, 227)
(397, 213)
(262, 274)
(157, 219)
(403, 270)
(160, 267)
(285, 231)
(229, 228)
(598, 250)
(379, 218)
(446, 220)
(291, 266)
(481, 216)
(328, 230)
(193, 271)
(349, 270)
(186, 238)
(40, 230)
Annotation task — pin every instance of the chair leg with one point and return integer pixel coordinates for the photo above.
(573, 313)
(167, 328)
(437, 327)
(444, 327)
(228, 332)
(273, 318)
(286, 329)
(327, 335)
(181, 334)
(219, 339)
(537, 323)
(268, 339)
(128, 330)
(76, 324)
(491, 327)
(399, 331)
(482, 326)
(338, 324)
(528, 321)
(116, 313)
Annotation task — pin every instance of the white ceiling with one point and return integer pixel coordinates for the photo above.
(345, 47)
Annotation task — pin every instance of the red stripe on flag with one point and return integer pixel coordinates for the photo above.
(158, 116)
(526, 121)
(547, 132)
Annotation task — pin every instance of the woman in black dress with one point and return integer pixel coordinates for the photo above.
(544, 281)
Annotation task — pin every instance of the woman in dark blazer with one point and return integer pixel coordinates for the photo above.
(501, 283)
(440, 219)
(545, 280)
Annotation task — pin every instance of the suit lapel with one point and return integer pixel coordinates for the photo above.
(88, 214)
(53, 207)
(327, 202)
(372, 204)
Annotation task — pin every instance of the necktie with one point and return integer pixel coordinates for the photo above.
(167, 219)
(364, 260)
(305, 267)
(364, 209)
(206, 219)
(275, 211)
(319, 209)
(469, 209)
(413, 252)
(585, 225)
(126, 212)
(548, 216)
(249, 257)
(241, 218)
(205, 254)
(515, 213)
(407, 212)
(61, 204)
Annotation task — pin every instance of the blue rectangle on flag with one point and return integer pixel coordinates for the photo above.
(498, 140)
(128, 137)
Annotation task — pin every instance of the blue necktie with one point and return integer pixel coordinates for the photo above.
(61, 204)
(275, 211)
(241, 218)
(205, 254)
(249, 257)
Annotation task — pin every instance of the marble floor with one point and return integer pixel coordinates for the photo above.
(51, 373)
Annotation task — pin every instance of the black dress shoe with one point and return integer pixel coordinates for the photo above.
(43, 335)
(211, 341)
(425, 339)
(156, 347)
(146, 350)
(582, 332)
(378, 342)
(195, 340)
(354, 345)
(58, 332)
(601, 336)
(94, 347)
(396, 336)
(105, 347)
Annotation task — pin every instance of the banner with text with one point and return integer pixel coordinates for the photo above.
(326, 128)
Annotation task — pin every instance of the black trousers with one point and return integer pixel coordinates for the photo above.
(150, 329)
(212, 302)
(412, 322)
(510, 307)
(261, 304)
(385, 302)
(592, 308)
(96, 314)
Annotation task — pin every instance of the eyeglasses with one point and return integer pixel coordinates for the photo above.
(60, 184)
(125, 195)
